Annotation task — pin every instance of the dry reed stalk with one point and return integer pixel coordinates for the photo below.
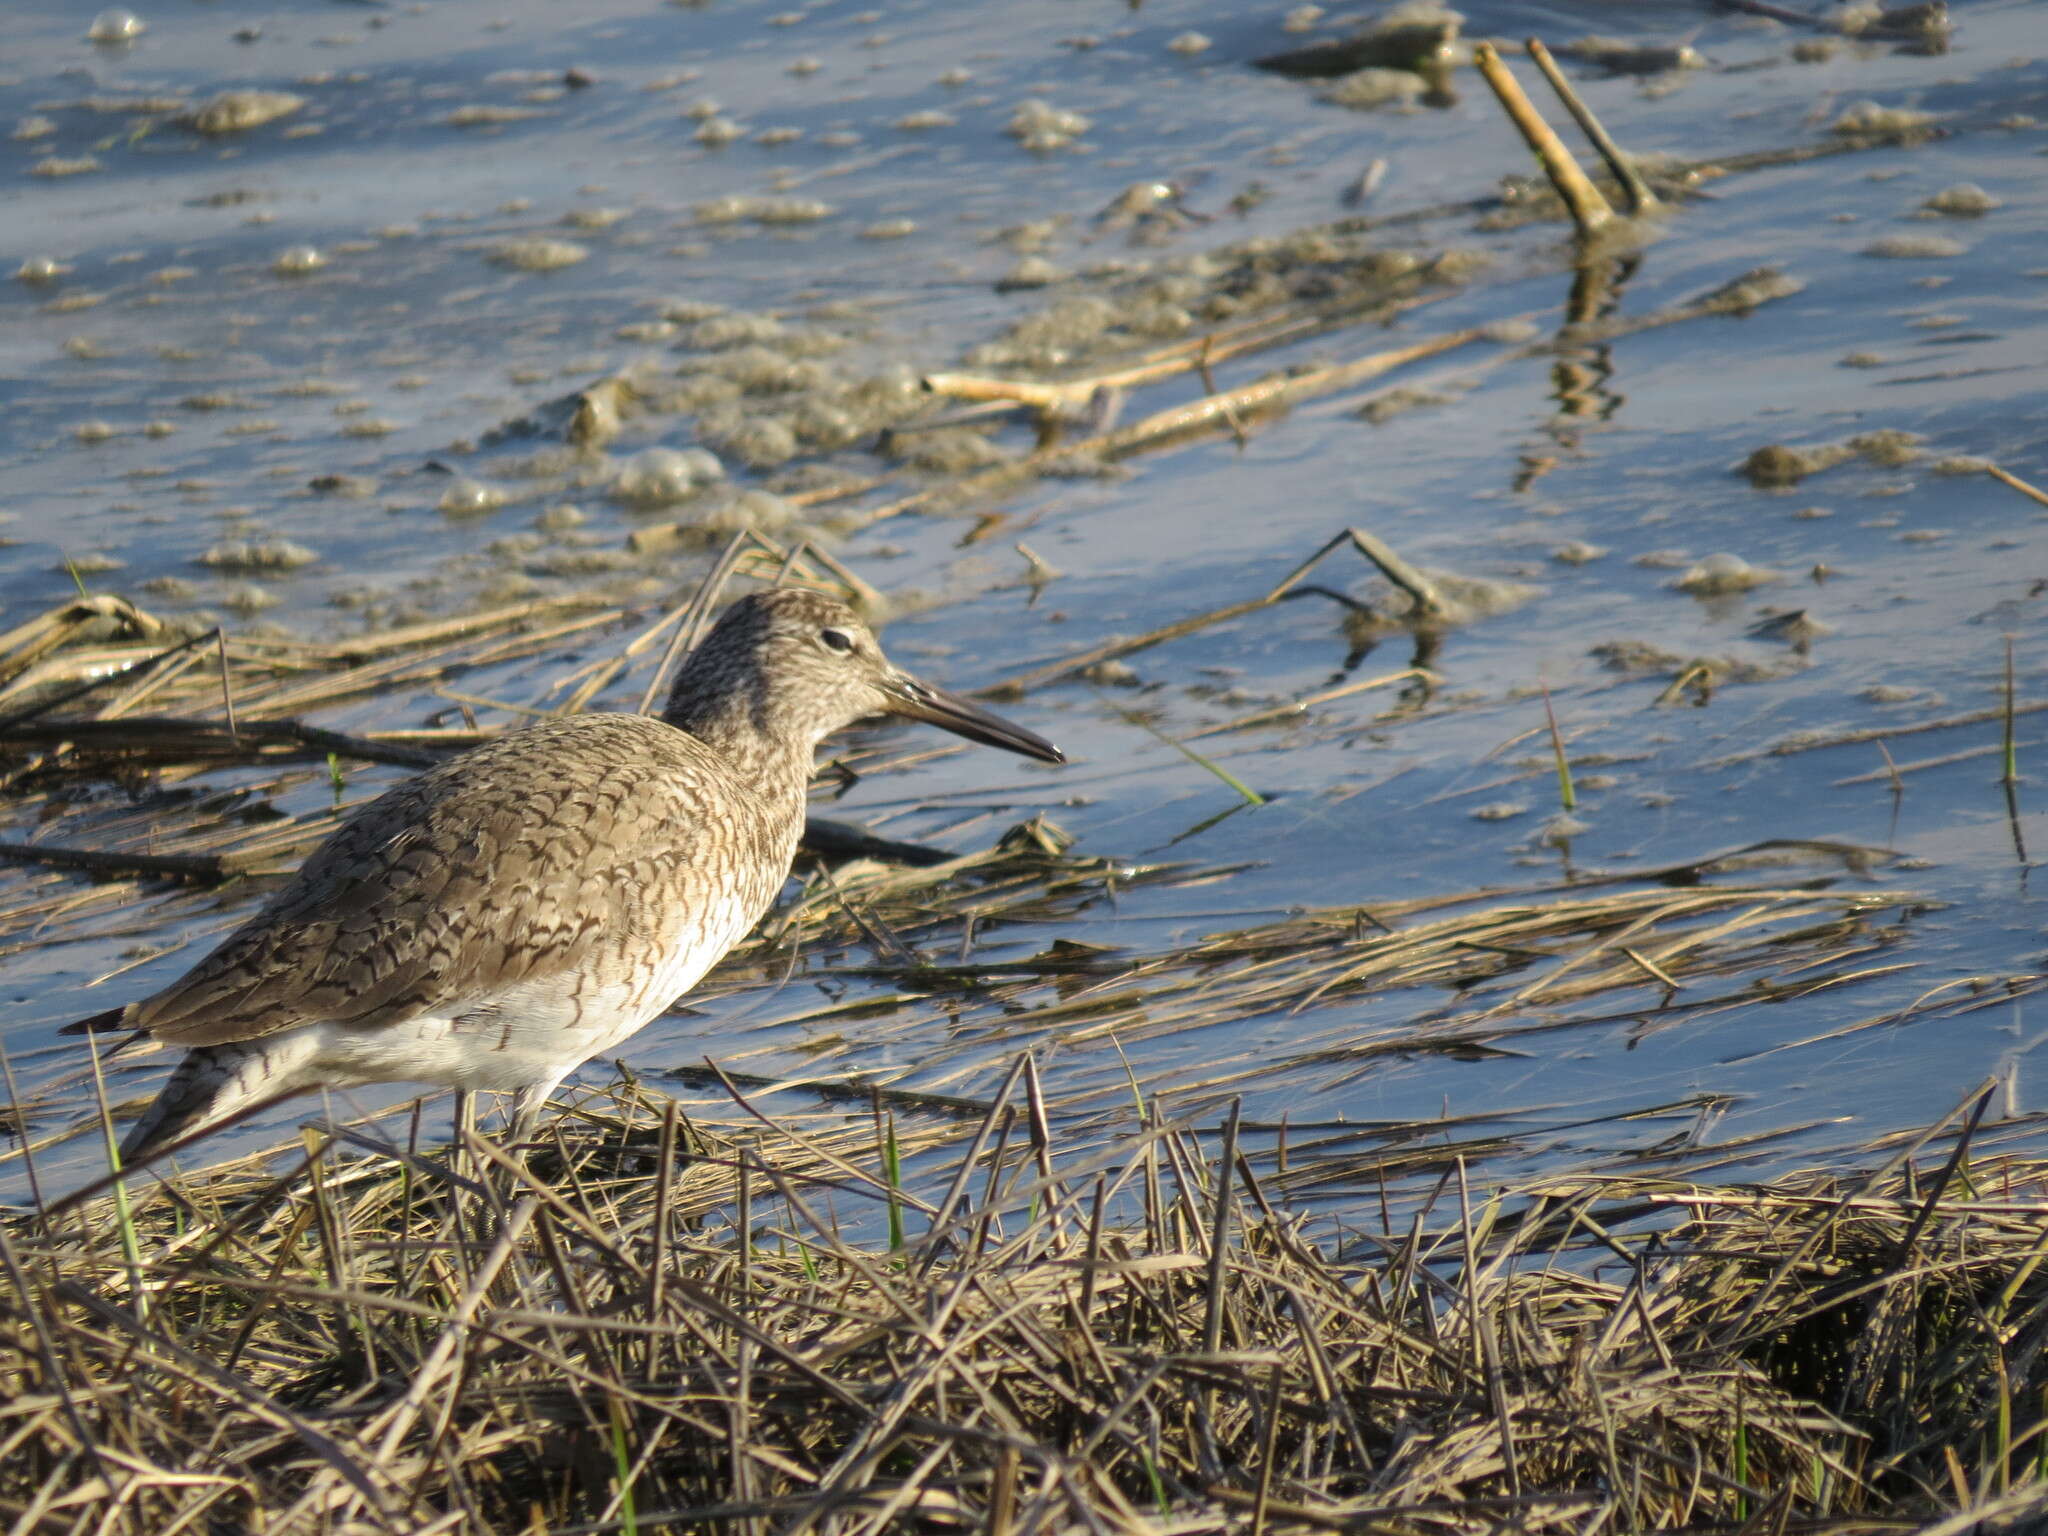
(1589, 208)
(1640, 198)
(1517, 1362)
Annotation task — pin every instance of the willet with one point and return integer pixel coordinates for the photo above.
(499, 920)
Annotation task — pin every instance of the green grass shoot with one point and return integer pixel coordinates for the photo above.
(629, 1519)
(892, 1172)
(1565, 793)
(1132, 717)
(131, 1249)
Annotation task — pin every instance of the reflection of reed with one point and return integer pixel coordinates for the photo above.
(1585, 367)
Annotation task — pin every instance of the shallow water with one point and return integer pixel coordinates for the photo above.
(172, 311)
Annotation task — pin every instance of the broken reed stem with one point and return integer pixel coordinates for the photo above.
(1301, 706)
(1209, 385)
(1219, 1232)
(691, 618)
(1429, 606)
(227, 687)
(1640, 198)
(1589, 208)
(2012, 759)
(1070, 397)
(1231, 406)
(2006, 477)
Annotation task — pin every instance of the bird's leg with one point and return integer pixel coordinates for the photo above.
(461, 1122)
(522, 1121)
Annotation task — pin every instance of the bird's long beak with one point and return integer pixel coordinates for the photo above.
(914, 700)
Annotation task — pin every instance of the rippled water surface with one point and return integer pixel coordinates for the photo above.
(173, 385)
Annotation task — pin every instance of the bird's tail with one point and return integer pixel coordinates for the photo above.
(215, 1084)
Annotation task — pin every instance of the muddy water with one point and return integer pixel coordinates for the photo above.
(183, 371)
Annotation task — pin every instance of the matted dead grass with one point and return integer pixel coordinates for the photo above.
(1137, 1335)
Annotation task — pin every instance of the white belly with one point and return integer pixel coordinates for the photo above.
(534, 1031)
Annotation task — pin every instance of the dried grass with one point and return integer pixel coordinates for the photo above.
(1137, 1337)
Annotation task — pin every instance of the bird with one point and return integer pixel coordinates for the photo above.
(505, 916)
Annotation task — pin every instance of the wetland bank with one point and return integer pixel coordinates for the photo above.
(1293, 1114)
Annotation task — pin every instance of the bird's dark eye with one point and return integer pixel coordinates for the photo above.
(835, 640)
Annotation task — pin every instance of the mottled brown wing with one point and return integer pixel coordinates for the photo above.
(552, 851)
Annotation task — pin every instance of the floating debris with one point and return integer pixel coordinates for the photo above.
(1633, 656)
(1961, 464)
(1578, 552)
(1867, 117)
(470, 498)
(93, 563)
(351, 487)
(1964, 200)
(735, 328)
(926, 120)
(1042, 127)
(41, 269)
(1924, 26)
(1798, 629)
(1189, 43)
(758, 441)
(478, 115)
(1718, 575)
(53, 166)
(246, 597)
(1415, 37)
(537, 254)
(1364, 90)
(660, 477)
(1915, 247)
(1620, 58)
(1399, 401)
(236, 111)
(1500, 810)
(755, 511)
(1887, 446)
(1359, 192)
(115, 26)
(1775, 465)
(258, 555)
(948, 450)
(597, 413)
(1031, 272)
(299, 261)
(789, 210)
